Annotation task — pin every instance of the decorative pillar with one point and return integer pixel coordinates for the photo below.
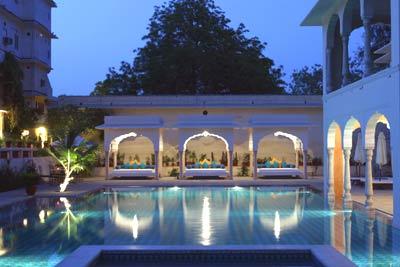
(255, 167)
(181, 164)
(107, 163)
(329, 85)
(345, 59)
(160, 163)
(368, 179)
(297, 159)
(331, 173)
(368, 64)
(115, 158)
(347, 176)
(157, 162)
(305, 163)
(231, 164)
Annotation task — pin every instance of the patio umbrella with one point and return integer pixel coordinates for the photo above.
(359, 153)
(381, 152)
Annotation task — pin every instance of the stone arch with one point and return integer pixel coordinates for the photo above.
(371, 129)
(351, 125)
(205, 134)
(336, 161)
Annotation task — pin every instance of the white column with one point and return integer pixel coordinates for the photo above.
(347, 176)
(368, 179)
(370, 241)
(115, 158)
(331, 190)
(231, 164)
(255, 168)
(395, 25)
(305, 163)
(157, 162)
(160, 163)
(181, 164)
(345, 59)
(368, 64)
(107, 163)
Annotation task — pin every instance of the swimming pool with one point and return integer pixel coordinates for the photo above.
(43, 231)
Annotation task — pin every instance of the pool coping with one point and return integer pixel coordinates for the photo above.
(324, 255)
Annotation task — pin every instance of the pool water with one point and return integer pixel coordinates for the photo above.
(43, 231)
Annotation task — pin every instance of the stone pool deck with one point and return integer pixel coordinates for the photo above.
(382, 198)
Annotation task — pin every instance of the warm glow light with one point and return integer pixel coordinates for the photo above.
(298, 144)
(41, 133)
(25, 222)
(24, 133)
(3, 250)
(42, 216)
(277, 226)
(206, 134)
(205, 223)
(135, 227)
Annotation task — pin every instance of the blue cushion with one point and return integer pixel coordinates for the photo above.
(222, 166)
(135, 166)
(276, 164)
(197, 165)
(205, 165)
(285, 165)
(143, 166)
(268, 164)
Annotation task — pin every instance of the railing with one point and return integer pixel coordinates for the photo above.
(17, 152)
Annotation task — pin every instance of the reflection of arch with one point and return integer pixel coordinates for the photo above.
(371, 128)
(205, 134)
(286, 222)
(351, 125)
(131, 224)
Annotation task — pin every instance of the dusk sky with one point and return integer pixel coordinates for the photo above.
(97, 34)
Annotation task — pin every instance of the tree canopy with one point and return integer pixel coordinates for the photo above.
(307, 81)
(192, 49)
(19, 116)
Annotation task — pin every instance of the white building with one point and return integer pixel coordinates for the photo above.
(192, 133)
(365, 105)
(26, 32)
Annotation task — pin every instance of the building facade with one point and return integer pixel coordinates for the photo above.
(26, 33)
(364, 106)
(239, 132)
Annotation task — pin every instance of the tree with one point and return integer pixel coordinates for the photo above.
(67, 122)
(19, 116)
(191, 49)
(307, 81)
(73, 159)
(380, 36)
(122, 82)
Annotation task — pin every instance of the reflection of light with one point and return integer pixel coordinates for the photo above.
(68, 214)
(237, 188)
(42, 216)
(277, 225)
(135, 227)
(3, 250)
(175, 188)
(205, 222)
(25, 222)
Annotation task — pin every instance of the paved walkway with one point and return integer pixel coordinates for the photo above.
(383, 199)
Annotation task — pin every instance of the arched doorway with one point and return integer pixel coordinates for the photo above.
(206, 155)
(335, 162)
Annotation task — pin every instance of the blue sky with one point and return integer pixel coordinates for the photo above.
(97, 34)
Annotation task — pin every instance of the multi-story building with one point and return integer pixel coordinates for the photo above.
(368, 107)
(26, 33)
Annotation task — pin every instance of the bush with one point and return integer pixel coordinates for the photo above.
(11, 179)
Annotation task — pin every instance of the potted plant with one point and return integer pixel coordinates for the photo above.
(235, 160)
(31, 179)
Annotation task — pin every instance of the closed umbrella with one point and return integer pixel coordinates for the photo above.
(381, 152)
(359, 154)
